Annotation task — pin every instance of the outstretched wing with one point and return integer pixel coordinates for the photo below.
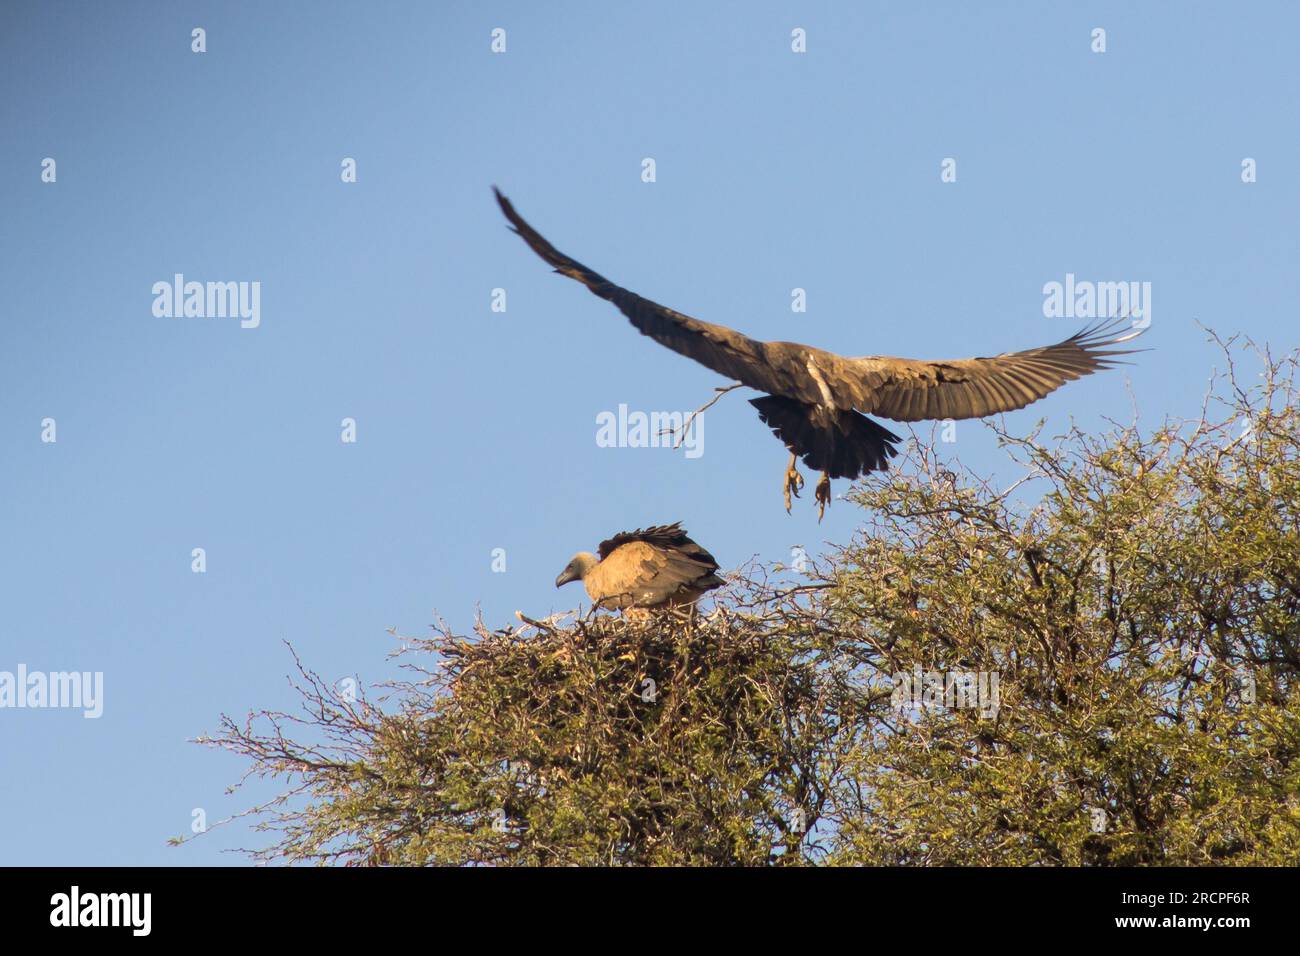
(905, 390)
(911, 390)
(754, 363)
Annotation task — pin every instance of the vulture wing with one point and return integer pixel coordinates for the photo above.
(913, 390)
(761, 365)
(668, 536)
(905, 390)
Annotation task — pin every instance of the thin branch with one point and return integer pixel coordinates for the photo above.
(690, 420)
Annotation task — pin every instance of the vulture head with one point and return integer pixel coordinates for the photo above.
(577, 568)
(643, 570)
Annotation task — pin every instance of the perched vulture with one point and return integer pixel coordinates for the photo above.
(653, 569)
(817, 401)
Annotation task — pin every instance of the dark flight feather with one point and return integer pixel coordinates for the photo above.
(809, 381)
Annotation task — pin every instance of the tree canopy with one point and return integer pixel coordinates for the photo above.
(1093, 664)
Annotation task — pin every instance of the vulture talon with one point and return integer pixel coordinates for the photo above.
(823, 496)
(793, 482)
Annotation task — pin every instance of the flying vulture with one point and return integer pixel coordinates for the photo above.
(816, 402)
(644, 570)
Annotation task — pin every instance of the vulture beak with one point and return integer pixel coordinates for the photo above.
(565, 577)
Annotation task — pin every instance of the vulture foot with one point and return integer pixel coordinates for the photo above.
(823, 495)
(792, 483)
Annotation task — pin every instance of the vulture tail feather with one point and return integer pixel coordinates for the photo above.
(849, 447)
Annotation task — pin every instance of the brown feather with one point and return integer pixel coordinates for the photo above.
(845, 447)
(651, 568)
(913, 389)
(806, 380)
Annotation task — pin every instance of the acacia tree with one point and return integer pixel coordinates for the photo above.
(709, 740)
(1135, 596)
(1144, 618)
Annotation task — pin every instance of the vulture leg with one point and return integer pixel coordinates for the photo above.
(823, 495)
(793, 481)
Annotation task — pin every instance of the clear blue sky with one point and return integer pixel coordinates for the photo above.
(476, 429)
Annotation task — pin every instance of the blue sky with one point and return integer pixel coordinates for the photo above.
(476, 429)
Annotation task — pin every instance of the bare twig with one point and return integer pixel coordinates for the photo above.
(690, 419)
